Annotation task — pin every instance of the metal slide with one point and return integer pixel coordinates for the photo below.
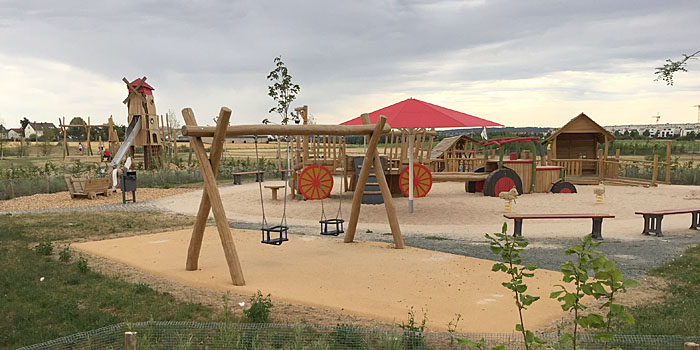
(131, 131)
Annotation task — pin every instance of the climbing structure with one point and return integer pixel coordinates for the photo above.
(142, 111)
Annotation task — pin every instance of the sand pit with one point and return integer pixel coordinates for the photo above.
(451, 212)
(365, 278)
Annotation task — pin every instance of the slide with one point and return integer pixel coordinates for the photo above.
(131, 131)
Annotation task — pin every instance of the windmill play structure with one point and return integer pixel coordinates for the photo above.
(144, 128)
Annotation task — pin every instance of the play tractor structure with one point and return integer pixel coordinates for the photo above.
(500, 175)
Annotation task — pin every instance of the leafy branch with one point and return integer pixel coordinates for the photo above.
(667, 71)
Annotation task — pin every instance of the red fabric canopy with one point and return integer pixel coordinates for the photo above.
(412, 113)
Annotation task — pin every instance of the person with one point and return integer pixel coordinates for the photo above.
(117, 174)
(80, 148)
(108, 156)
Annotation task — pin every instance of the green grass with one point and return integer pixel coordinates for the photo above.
(679, 312)
(69, 300)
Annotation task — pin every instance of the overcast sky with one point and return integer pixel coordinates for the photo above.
(519, 63)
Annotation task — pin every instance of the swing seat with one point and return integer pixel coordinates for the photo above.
(338, 227)
(281, 229)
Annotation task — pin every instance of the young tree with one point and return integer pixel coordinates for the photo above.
(667, 71)
(283, 91)
(24, 122)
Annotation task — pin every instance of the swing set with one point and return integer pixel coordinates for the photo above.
(320, 183)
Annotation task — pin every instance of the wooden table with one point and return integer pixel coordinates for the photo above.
(274, 189)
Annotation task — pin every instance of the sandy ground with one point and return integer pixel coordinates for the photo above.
(367, 278)
(451, 212)
(63, 200)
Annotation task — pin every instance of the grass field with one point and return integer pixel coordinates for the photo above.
(679, 313)
(43, 298)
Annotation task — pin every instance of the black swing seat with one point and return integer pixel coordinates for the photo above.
(338, 227)
(281, 229)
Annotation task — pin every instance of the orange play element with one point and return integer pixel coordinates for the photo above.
(315, 182)
(422, 180)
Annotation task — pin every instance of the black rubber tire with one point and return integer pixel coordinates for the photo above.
(470, 186)
(563, 187)
(496, 176)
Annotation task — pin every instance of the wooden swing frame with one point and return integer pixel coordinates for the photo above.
(211, 198)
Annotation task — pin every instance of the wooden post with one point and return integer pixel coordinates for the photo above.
(655, 171)
(362, 180)
(691, 346)
(601, 165)
(554, 149)
(65, 143)
(668, 162)
(87, 129)
(216, 150)
(129, 340)
(211, 193)
(605, 156)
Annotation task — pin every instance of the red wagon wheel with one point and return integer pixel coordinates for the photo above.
(315, 182)
(422, 180)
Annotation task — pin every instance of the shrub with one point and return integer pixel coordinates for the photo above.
(44, 248)
(82, 265)
(65, 254)
(259, 310)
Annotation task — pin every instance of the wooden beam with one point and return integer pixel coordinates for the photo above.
(285, 130)
(217, 147)
(234, 265)
(362, 180)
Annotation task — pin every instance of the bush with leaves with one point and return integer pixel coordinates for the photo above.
(259, 310)
(590, 273)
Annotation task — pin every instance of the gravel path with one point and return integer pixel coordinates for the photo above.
(138, 206)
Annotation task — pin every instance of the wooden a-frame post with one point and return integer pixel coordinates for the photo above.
(211, 198)
(372, 158)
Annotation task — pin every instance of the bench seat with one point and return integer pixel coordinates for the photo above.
(652, 219)
(259, 176)
(597, 221)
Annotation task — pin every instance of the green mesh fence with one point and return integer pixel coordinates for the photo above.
(198, 335)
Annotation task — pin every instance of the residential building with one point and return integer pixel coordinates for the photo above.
(15, 134)
(38, 129)
(666, 130)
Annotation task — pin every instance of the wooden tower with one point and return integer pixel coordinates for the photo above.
(141, 105)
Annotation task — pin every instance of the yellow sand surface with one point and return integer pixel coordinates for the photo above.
(363, 278)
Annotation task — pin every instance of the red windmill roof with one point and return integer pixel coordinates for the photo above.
(412, 113)
(145, 88)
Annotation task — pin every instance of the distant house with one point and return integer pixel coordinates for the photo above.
(3, 133)
(15, 134)
(38, 129)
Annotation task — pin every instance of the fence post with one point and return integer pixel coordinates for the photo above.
(668, 162)
(691, 346)
(129, 340)
(654, 172)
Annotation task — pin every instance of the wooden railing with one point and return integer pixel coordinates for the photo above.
(573, 167)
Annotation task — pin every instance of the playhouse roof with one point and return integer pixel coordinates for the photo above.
(145, 88)
(447, 143)
(582, 124)
(413, 113)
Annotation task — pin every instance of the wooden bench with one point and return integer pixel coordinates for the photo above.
(87, 187)
(597, 221)
(274, 189)
(652, 219)
(259, 176)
